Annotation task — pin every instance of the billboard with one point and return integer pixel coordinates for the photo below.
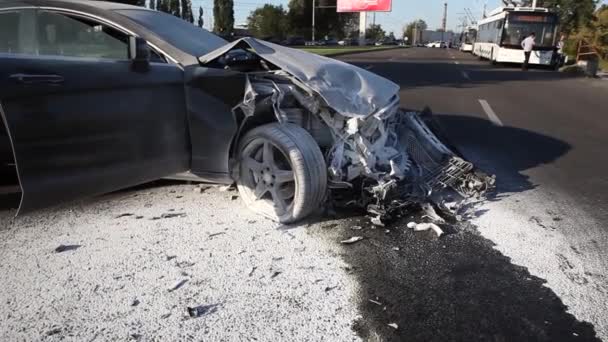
(364, 5)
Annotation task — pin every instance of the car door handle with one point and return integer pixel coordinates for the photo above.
(37, 79)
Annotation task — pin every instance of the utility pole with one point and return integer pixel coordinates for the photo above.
(444, 22)
(362, 27)
(314, 4)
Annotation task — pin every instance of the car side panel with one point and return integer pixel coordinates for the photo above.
(104, 128)
(211, 95)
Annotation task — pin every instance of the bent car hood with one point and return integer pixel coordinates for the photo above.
(349, 90)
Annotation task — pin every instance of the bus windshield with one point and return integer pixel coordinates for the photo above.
(519, 26)
(470, 36)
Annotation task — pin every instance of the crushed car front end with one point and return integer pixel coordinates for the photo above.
(387, 158)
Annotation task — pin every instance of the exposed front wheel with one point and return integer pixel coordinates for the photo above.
(282, 172)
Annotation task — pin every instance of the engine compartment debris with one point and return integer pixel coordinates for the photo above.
(379, 157)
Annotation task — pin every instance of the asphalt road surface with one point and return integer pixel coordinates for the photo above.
(530, 264)
(533, 266)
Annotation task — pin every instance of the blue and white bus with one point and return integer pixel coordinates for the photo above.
(500, 35)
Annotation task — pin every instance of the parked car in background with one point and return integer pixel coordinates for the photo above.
(330, 42)
(441, 45)
(349, 42)
(294, 41)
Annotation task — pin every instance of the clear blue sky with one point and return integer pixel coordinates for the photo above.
(404, 11)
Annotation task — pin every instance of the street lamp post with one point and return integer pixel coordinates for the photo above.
(313, 19)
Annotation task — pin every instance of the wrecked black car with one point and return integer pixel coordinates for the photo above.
(100, 96)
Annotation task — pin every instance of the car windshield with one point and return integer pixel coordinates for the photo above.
(179, 33)
(521, 26)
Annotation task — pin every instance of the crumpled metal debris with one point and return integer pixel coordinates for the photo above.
(419, 227)
(386, 158)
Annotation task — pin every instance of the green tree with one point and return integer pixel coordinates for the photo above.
(162, 5)
(201, 21)
(574, 14)
(187, 11)
(328, 21)
(408, 30)
(267, 21)
(174, 8)
(223, 15)
(375, 32)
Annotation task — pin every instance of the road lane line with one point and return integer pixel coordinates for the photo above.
(490, 113)
(466, 75)
(456, 62)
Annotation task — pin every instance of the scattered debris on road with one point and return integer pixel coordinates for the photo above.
(431, 214)
(393, 325)
(125, 215)
(419, 227)
(178, 285)
(53, 331)
(65, 248)
(169, 215)
(225, 188)
(352, 240)
(375, 302)
(135, 302)
(377, 221)
(356, 227)
(201, 310)
(211, 236)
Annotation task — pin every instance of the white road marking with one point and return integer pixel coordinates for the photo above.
(466, 75)
(490, 113)
(456, 62)
(369, 67)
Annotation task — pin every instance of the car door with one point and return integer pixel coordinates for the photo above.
(82, 120)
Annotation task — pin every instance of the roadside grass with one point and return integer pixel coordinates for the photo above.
(604, 64)
(334, 50)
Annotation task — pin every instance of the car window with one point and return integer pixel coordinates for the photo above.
(16, 32)
(73, 36)
(9, 32)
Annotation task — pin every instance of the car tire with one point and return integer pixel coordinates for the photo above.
(282, 172)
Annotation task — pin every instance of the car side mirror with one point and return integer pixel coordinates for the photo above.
(139, 53)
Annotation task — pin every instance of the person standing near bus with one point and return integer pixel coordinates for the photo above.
(560, 51)
(528, 45)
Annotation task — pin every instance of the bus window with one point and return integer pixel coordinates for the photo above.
(520, 26)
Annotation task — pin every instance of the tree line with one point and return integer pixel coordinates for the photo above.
(579, 19)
